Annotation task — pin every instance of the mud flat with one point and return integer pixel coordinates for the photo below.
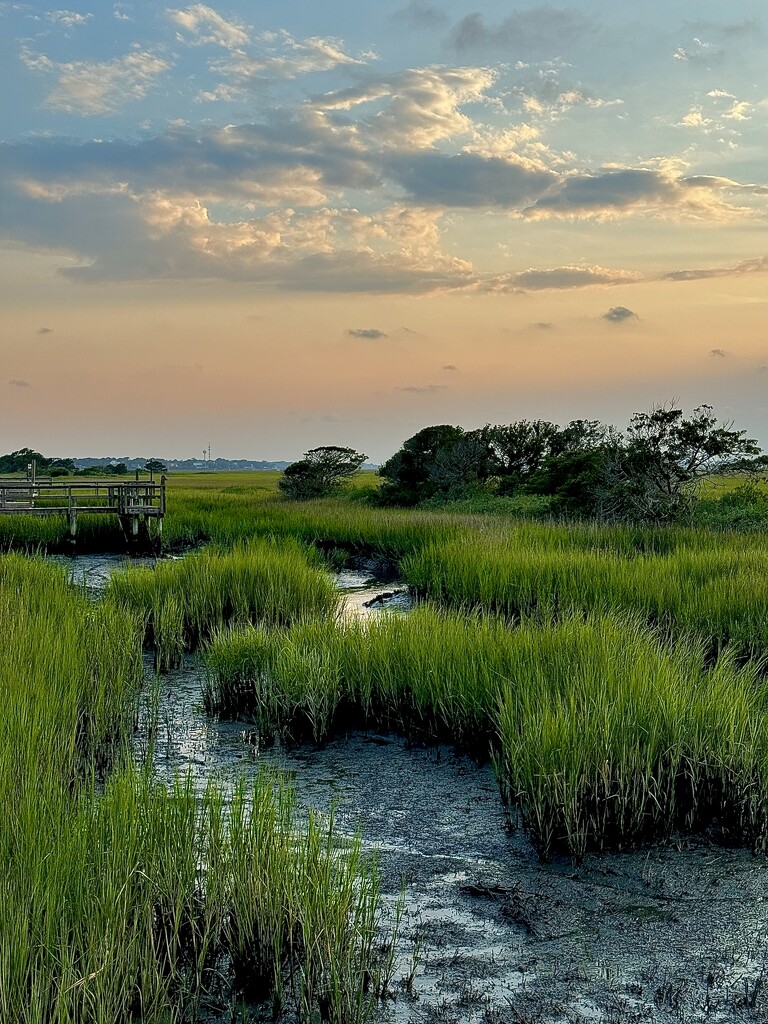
(488, 933)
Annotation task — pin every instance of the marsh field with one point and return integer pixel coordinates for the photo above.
(324, 761)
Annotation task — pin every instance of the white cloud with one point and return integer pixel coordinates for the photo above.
(68, 19)
(416, 108)
(700, 52)
(284, 57)
(696, 119)
(740, 111)
(90, 87)
(205, 26)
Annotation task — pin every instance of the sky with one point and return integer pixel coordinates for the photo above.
(268, 227)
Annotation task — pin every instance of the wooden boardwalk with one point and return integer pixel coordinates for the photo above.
(136, 502)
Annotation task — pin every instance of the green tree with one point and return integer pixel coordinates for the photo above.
(155, 466)
(653, 473)
(409, 476)
(321, 472)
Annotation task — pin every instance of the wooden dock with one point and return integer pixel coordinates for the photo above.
(137, 503)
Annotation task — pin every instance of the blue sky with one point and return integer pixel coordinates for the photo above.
(385, 194)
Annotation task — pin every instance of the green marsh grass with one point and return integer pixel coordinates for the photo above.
(126, 900)
(602, 734)
(716, 588)
(184, 600)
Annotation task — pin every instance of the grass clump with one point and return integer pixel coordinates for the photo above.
(184, 601)
(602, 734)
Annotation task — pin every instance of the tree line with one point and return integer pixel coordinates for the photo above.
(20, 460)
(587, 468)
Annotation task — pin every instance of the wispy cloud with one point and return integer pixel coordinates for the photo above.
(45, 330)
(413, 109)
(423, 389)
(698, 52)
(16, 382)
(275, 56)
(756, 266)
(201, 25)
(718, 353)
(90, 88)
(68, 19)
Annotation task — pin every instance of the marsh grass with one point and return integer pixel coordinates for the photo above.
(602, 734)
(126, 900)
(716, 590)
(183, 601)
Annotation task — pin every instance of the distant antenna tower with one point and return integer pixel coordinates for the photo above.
(207, 455)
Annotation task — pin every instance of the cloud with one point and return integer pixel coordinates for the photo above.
(45, 330)
(423, 389)
(543, 325)
(719, 353)
(204, 26)
(543, 93)
(283, 57)
(371, 333)
(451, 367)
(469, 180)
(416, 108)
(68, 19)
(699, 52)
(167, 238)
(619, 315)
(90, 88)
(739, 111)
(420, 15)
(15, 382)
(284, 163)
(571, 277)
(537, 28)
(755, 266)
(641, 190)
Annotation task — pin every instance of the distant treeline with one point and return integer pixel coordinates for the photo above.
(18, 461)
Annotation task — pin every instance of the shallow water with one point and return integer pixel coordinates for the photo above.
(93, 571)
(364, 595)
